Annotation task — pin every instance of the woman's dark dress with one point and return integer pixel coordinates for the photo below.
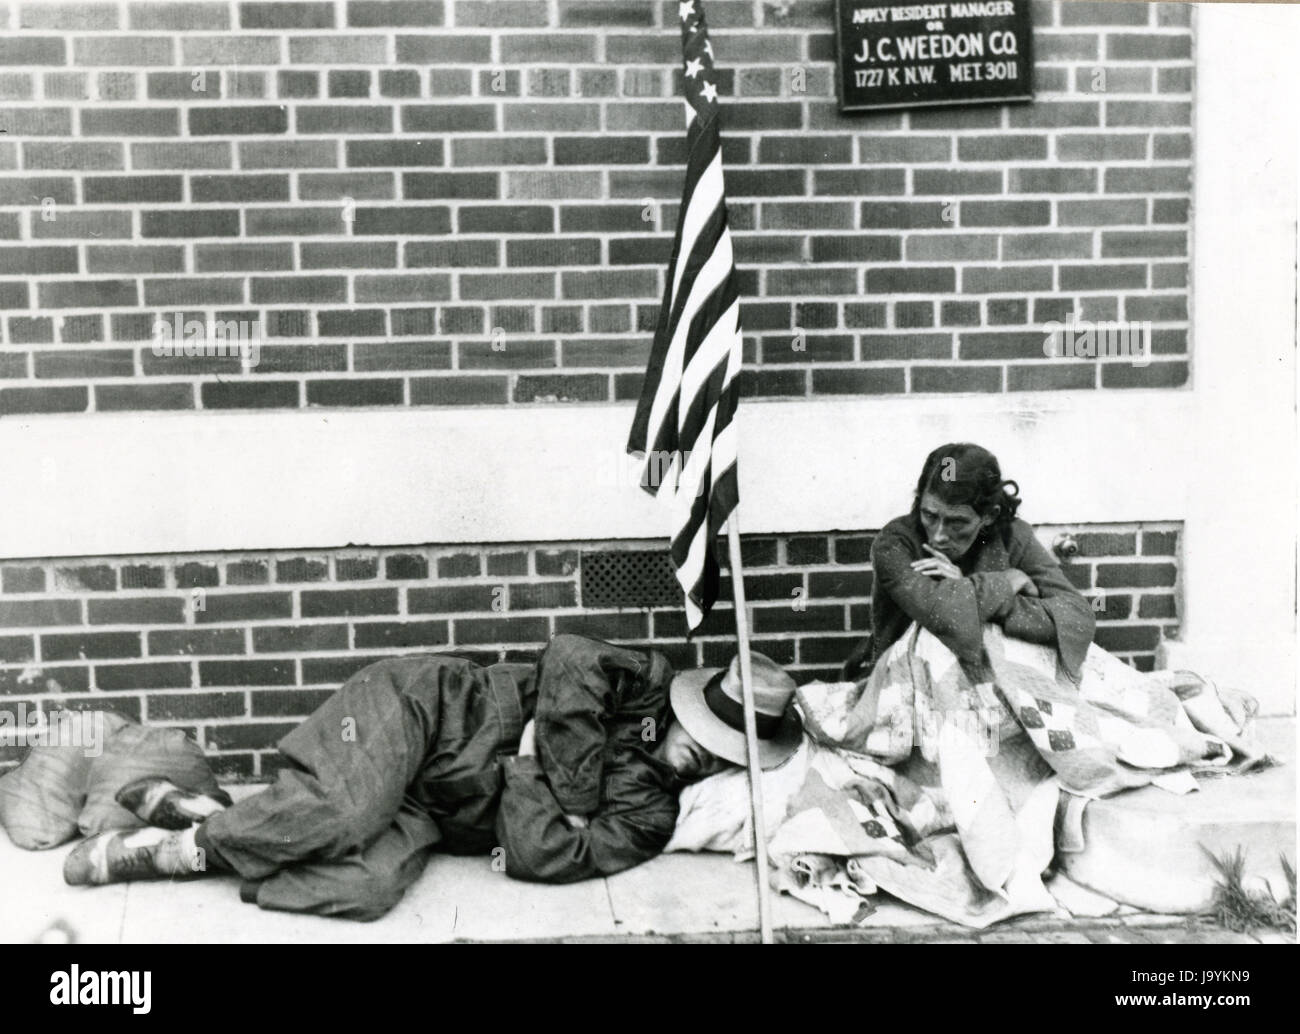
(955, 609)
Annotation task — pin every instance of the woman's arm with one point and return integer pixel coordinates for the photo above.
(948, 607)
(1057, 615)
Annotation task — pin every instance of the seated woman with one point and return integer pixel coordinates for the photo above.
(962, 559)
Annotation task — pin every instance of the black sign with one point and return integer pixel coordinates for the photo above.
(896, 54)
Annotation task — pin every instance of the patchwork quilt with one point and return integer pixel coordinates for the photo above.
(941, 785)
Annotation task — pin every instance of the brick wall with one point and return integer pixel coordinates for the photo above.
(471, 202)
(238, 648)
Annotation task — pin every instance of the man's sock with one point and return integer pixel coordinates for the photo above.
(162, 803)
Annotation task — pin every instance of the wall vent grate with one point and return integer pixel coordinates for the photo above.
(629, 578)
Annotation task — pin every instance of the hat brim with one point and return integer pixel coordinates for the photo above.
(716, 736)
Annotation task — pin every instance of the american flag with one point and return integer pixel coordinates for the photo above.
(685, 422)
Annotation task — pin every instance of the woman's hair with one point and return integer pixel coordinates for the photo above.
(962, 474)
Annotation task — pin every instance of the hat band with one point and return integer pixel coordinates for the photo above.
(733, 714)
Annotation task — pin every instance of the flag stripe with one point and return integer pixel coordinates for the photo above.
(685, 419)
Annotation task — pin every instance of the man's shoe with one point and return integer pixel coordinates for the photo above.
(160, 802)
(117, 856)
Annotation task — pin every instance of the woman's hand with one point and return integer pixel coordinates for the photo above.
(1021, 583)
(936, 565)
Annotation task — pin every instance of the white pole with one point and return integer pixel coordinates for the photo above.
(751, 732)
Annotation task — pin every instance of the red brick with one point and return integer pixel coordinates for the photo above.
(1139, 575)
(70, 16)
(1159, 543)
(132, 610)
(501, 13)
(558, 388)
(133, 397)
(271, 290)
(286, 703)
(379, 634)
(473, 631)
(956, 379)
(419, 186)
(202, 641)
(246, 673)
(869, 381)
(542, 595)
(299, 638)
(1152, 606)
(17, 649)
(336, 669)
(244, 606)
(342, 603)
(801, 283)
(297, 15)
(443, 49)
(1157, 375)
(22, 579)
(805, 150)
(248, 572)
(247, 735)
(506, 219)
(166, 675)
(382, 153)
(402, 355)
(458, 390)
(343, 49)
(32, 260)
(42, 400)
(334, 186)
(618, 627)
(86, 578)
(1058, 376)
(1148, 179)
(508, 563)
(81, 364)
(171, 707)
(45, 679)
(370, 14)
(1102, 276)
(129, 122)
(32, 50)
(1143, 244)
(90, 645)
(1054, 114)
(369, 391)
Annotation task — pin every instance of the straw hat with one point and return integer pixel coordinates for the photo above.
(708, 703)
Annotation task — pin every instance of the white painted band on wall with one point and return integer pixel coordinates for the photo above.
(122, 484)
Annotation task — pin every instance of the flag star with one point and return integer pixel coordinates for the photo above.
(685, 10)
(708, 47)
(694, 67)
(709, 91)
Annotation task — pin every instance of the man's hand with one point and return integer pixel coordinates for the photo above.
(528, 740)
(936, 565)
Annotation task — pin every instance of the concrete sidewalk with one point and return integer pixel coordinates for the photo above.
(675, 897)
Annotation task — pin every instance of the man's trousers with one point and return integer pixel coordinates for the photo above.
(403, 758)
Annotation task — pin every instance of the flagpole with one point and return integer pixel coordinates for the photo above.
(751, 731)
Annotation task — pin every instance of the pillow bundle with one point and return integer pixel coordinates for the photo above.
(59, 790)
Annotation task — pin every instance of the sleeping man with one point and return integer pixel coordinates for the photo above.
(566, 769)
